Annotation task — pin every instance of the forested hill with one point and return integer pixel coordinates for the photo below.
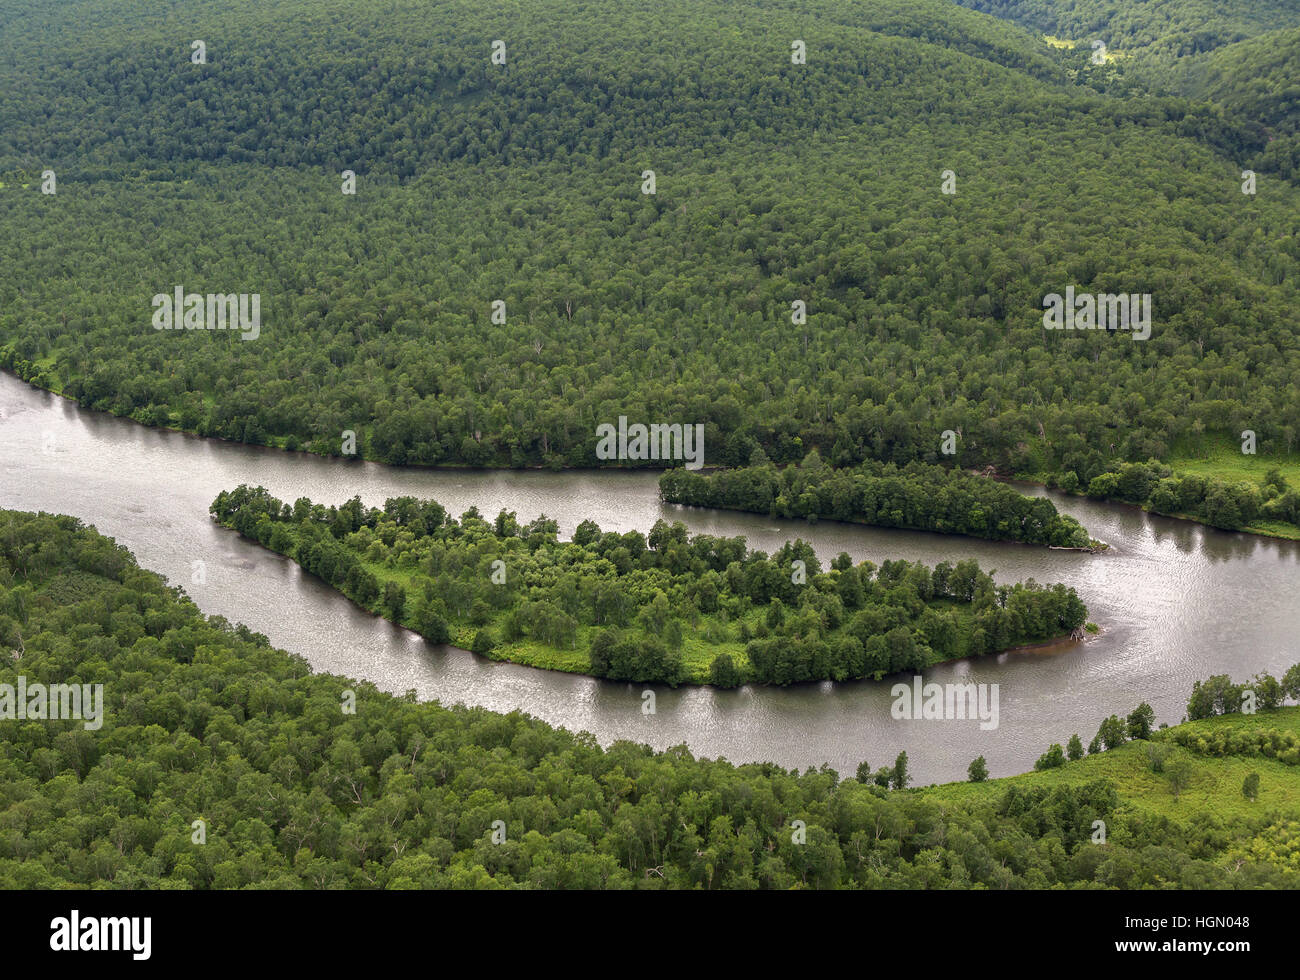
(397, 89)
(1174, 27)
(517, 189)
(204, 725)
(1242, 57)
(1259, 80)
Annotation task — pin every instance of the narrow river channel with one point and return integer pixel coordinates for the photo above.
(1176, 601)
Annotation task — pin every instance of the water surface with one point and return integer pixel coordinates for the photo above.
(1177, 602)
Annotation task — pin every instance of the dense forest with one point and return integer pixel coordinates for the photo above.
(661, 607)
(500, 285)
(1259, 80)
(917, 496)
(1219, 503)
(224, 763)
(931, 498)
(1172, 27)
(1241, 57)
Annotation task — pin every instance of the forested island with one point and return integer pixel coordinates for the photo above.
(662, 607)
(917, 496)
(204, 721)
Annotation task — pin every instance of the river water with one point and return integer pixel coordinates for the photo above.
(1176, 601)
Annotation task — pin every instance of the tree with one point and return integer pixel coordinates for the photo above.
(1215, 695)
(1250, 786)
(723, 671)
(429, 624)
(1141, 721)
(394, 600)
(1268, 692)
(1291, 682)
(977, 771)
(775, 617)
(1053, 758)
(1112, 733)
(1074, 748)
(900, 778)
(864, 772)
(601, 652)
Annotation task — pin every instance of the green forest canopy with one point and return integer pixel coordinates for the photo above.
(521, 183)
(930, 498)
(1168, 27)
(917, 496)
(1241, 57)
(205, 721)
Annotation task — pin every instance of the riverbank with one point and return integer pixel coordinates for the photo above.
(289, 444)
(1164, 779)
(1281, 530)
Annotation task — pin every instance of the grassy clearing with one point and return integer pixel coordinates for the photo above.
(1065, 44)
(1222, 457)
(1214, 786)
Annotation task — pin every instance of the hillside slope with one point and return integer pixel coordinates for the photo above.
(500, 286)
(1165, 27)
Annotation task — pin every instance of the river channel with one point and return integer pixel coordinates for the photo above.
(1176, 601)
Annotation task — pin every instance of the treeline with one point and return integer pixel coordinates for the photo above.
(1113, 733)
(205, 721)
(1218, 695)
(661, 607)
(1219, 503)
(917, 496)
(1212, 697)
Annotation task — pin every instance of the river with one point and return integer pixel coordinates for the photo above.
(1176, 601)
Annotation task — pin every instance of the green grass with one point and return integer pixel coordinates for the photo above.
(1214, 788)
(1222, 457)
